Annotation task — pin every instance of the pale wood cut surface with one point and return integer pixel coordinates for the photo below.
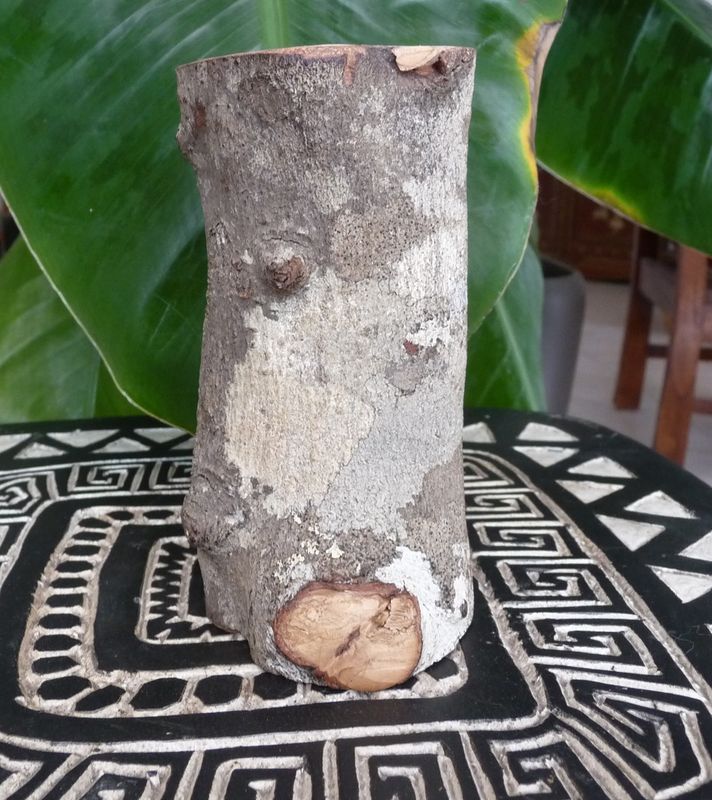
(354, 636)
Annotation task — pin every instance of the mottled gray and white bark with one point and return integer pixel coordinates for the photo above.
(327, 492)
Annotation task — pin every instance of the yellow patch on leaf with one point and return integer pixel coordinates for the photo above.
(525, 50)
(527, 44)
(611, 198)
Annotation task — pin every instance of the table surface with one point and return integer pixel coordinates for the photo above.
(586, 672)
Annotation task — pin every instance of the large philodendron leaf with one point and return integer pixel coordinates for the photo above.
(89, 165)
(48, 367)
(501, 359)
(626, 111)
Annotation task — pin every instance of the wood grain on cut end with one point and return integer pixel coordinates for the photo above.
(353, 636)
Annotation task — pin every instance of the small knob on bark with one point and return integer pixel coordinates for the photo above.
(287, 276)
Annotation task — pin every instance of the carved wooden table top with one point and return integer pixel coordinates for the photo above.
(586, 672)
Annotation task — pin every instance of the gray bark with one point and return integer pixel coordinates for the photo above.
(329, 426)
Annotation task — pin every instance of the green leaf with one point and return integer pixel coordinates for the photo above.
(503, 364)
(626, 111)
(48, 367)
(89, 164)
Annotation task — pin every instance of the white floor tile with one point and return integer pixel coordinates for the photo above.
(592, 398)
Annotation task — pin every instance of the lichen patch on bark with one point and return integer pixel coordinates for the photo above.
(292, 418)
(266, 409)
(413, 571)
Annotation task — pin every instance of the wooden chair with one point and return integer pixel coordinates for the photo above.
(681, 289)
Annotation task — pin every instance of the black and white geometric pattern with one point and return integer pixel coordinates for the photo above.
(585, 673)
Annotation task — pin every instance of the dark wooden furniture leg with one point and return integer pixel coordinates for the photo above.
(631, 369)
(678, 402)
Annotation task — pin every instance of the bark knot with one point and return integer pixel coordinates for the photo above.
(287, 276)
(199, 116)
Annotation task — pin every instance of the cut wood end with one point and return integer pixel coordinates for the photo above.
(363, 636)
(414, 58)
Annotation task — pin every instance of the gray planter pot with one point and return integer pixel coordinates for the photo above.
(564, 305)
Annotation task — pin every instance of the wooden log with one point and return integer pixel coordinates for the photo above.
(327, 496)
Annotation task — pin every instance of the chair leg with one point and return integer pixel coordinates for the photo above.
(631, 368)
(678, 396)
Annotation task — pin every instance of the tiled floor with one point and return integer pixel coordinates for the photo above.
(592, 398)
